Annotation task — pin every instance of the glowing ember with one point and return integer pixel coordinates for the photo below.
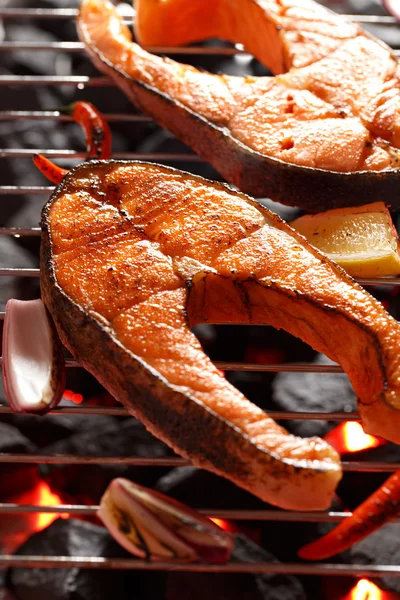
(70, 395)
(45, 497)
(350, 437)
(225, 525)
(356, 439)
(366, 590)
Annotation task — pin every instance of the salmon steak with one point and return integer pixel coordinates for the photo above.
(134, 255)
(323, 133)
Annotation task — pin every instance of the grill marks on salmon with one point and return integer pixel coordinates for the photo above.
(134, 255)
(336, 109)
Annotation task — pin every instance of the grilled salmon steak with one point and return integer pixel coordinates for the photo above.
(322, 135)
(134, 255)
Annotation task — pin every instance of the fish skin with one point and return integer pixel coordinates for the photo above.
(177, 250)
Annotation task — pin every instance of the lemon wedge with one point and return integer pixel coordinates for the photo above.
(361, 239)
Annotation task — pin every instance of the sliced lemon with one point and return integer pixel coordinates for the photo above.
(361, 239)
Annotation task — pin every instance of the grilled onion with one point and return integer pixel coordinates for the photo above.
(153, 526)
(33, 363)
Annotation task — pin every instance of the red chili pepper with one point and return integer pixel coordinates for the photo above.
(378, 509)
(49, 169)
(97, 133)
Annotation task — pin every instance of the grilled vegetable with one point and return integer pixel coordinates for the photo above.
(392, 6)
(134, 255)
(321, 136)
(97, 133)
(33, 363)
(151, 525)
(378, 509)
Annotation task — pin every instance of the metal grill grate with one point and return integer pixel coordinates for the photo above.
(79, 82)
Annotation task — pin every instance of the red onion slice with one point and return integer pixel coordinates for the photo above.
(33, 363)
(393, 7)
(153, 526)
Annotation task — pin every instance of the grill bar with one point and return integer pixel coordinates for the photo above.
(79, 47)
(122, 412)
(171, 50)
(20, 190)
(55, 115)
(18, 272)
(91, 562)
(80, 81)
(231, 514)
(137, 461)
(231, 366)
(20, 231)
(28, 153)
(71, 13)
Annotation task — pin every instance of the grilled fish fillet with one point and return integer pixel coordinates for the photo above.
(134, 255)
(321, 135)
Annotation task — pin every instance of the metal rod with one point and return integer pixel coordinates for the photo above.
(80, 47)
(20, 231)
(286, 367)
(71, 13)
(79, 81)
(71, 459)
(229, 514)
(28, 153)
(381, 281)
(227, 366)
(138, 461)
(92, 562)
(122, 412)
(76, 47)
(19, 272)
(18, 190)
(38, 115)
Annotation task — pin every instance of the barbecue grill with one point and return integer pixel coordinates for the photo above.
(8, 191)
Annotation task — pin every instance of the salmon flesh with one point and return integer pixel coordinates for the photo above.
(325, 133)
(134, 255)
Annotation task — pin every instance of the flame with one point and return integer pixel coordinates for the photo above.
(366, 590)
(45, 497)
(225, 525)
(355, 439)
(350, 437)
(70, 395)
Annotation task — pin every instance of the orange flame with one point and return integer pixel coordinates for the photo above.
(356, 439)
(45, 497)
(350, 437)
(366, 590)
(225, 525)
